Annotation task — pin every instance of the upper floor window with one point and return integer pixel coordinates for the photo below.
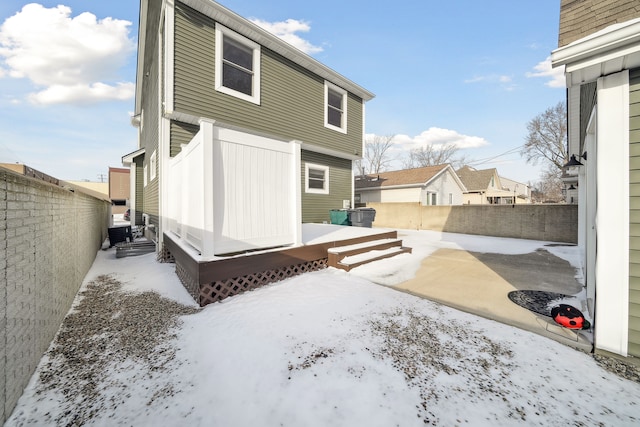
(237, 65)
(335, 116)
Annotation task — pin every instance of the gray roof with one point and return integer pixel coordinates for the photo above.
(417, 176)
(476, 180)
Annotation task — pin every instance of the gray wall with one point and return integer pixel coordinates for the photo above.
(556, 223)
(49, 238)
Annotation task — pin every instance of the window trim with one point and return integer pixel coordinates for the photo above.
(325, 169)
(153, 166)
(221, 32)
(330, 86)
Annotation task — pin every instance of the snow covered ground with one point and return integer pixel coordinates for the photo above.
(328, 348)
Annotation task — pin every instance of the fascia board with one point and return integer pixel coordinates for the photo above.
(617, 37)
(127, 159)
(453, 173)
(390, 187)
(142, 26)
(329, 152)
(250, 30)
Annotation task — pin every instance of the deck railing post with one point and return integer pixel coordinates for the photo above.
(296, 189)
(208, 134)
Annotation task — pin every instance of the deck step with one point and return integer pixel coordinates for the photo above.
(354, 261)
(351, 256)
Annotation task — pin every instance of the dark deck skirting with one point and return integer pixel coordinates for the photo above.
(196, 274)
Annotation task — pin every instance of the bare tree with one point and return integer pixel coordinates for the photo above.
(376, 155)
(547, 137)
(550, 185)
(547, 142)
(431, 155)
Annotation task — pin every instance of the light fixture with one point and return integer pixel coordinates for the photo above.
(572, 187)
(575, 162)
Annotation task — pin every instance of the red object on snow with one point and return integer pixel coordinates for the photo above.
(569, 317)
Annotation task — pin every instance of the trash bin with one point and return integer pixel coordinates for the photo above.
(339, 216)
(362, 217)
(119, 234)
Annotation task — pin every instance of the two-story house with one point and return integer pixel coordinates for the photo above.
(242, 137)
(599, 46)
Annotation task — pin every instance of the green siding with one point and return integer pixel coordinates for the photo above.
(149, 133)
(316, 207)
(634, 213)
(181, 133)
(292, 98)
(139, 208)
(588, 100)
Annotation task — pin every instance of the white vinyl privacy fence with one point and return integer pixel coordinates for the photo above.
(230, 191)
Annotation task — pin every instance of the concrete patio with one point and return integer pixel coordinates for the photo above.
(480, 282)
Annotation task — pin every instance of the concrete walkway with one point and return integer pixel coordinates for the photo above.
(479, 283)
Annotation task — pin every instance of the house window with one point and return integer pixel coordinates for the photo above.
(152, 166)
(237, 65)
(433, 199)
(317, 179)
(335, 116)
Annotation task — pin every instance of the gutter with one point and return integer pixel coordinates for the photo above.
(612, 38)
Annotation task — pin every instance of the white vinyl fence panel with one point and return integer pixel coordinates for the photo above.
(231, 191)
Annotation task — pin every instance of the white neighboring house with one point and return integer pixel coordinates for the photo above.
(429, 186)
(601, 59)
(520, 190)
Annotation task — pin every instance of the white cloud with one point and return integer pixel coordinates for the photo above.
(70, 57)
(543, 69)
(438, 137)
(83, 93)
(506, 82)
(286, 30)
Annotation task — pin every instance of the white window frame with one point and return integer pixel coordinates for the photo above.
(323, 168)
(153, 166)
(222, 32)
(330, 86)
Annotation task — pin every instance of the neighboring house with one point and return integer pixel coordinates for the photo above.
(431, 185)
(242, 137)
(119, 185)
(599, 47)
(28, 171)
(487, 187)
(519, 190)
(98, 187)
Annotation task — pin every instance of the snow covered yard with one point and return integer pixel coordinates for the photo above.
(325, 348)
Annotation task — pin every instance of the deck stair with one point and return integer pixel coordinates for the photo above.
(352, 256)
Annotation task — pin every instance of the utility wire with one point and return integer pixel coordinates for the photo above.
(489, 159)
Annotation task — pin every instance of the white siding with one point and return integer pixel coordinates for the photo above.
(612, 260)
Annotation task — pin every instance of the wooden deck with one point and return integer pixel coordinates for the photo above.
(211, 280)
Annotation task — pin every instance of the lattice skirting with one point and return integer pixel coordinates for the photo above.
(188, 282)
(219, 290)
(165, 256)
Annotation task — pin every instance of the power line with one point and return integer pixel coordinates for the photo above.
(489, 159)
